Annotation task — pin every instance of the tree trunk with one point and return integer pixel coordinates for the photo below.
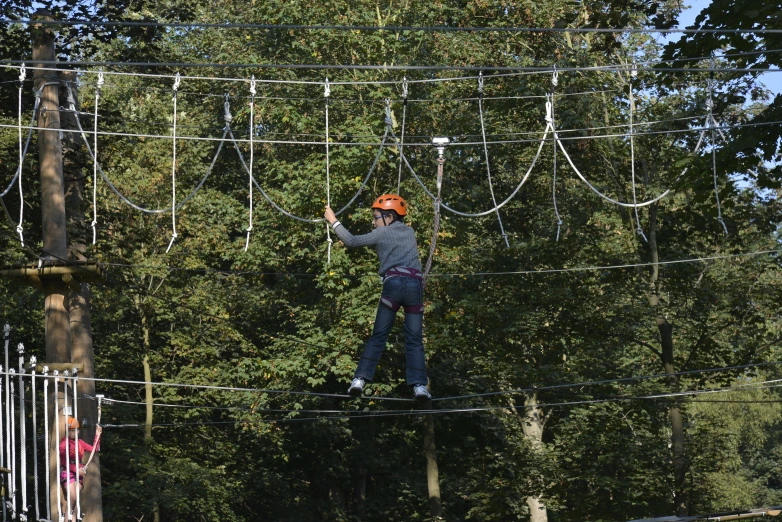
(147, 389)
(362, 432)
(79, 302)
(532, 422)
(55, 250)
(432, 471)
(666, 351)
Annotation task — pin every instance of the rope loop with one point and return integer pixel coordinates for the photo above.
(177, 81)
(549, 115)
(71, 101)
(724, 226)
(101, 80)
(634, 71)
(252, 85)
(555, 77)
(22, 73)
(640, 232)
(480, 84)
(326, 89)
(19, 231)
(227, 108)
(173, 238)
(389, 120)
(38, 95)
(404, 88)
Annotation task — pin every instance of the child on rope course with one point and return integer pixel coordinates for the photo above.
(72, 471)
(403, 287)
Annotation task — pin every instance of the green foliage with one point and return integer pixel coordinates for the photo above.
(280, 319)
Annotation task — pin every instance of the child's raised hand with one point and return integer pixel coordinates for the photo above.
(329, 215)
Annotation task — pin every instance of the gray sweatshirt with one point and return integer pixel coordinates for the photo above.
(395, 245)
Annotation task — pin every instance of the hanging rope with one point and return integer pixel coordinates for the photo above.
(437, 202)
(712, 124)
(486, 154)
(97, 437)
(388, 132)
(95, 158)
(252, 149)
(326, 95)
(19, 230)
(125, 199)
(402, 134)
(638, 230)
(22, 434)
(33, 362)
(491, 210)
(174, 234)
(550, 97)
(26, 143)
(47, 458)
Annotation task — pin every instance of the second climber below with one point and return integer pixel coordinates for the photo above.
(403, 287)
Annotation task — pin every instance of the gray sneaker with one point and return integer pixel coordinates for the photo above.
(356, 387)
(421, 393)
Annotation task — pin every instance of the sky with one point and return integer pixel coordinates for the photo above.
(772, 79)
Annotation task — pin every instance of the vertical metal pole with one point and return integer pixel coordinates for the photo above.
(22, 435)
(33, 362)
(68, 512)
(12, 442)
(57, 439)
(76, 449)
(3, 408)
(46, 441)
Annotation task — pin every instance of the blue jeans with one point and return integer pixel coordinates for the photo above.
(398, 292)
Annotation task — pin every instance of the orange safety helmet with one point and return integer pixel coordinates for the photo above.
(391, 202)
(72, 423)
